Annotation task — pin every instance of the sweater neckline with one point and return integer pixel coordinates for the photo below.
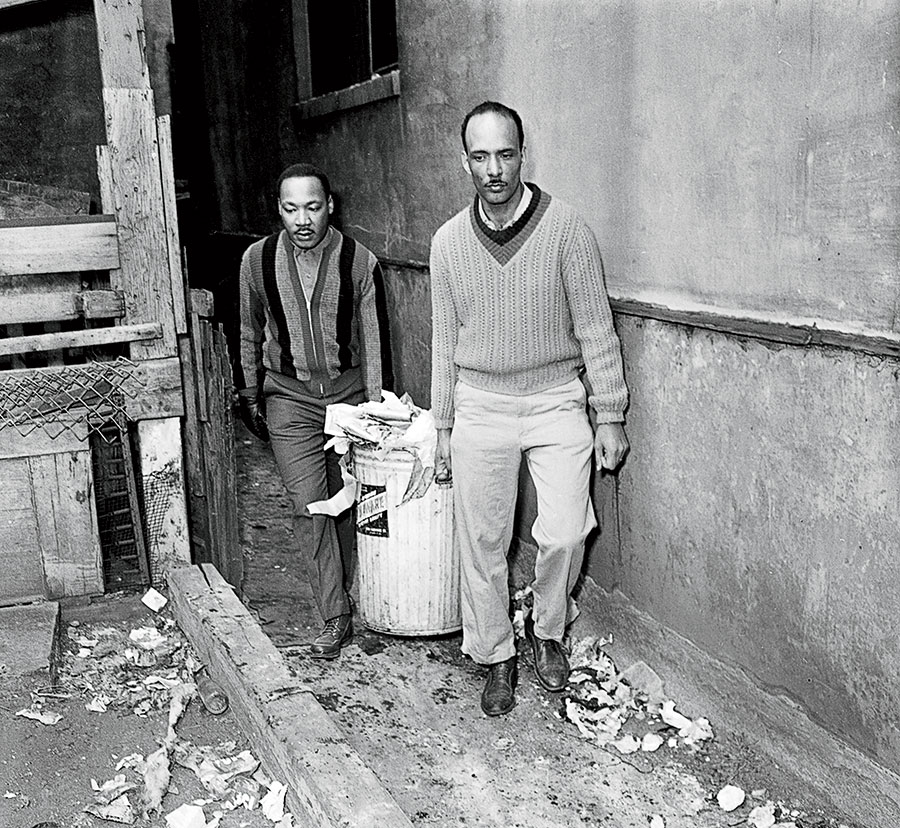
(504, 244)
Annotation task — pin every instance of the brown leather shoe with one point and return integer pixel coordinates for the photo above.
(550, 662)
(336, 632)
(499, 695)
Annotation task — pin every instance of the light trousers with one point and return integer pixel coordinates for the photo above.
(491, 434)
(325, 544)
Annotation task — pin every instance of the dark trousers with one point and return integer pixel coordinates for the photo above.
(310, 473)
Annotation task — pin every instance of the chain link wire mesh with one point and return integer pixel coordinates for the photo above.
(57, 399)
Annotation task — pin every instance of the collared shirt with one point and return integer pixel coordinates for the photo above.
(308, 262)
(524, 201)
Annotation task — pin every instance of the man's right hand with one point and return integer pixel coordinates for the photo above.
(443, 470)
(254, 417)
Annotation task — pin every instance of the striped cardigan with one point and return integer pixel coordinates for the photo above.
(327, 342)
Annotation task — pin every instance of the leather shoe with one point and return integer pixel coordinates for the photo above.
(336, 632)
(499, 695)
(550, 662)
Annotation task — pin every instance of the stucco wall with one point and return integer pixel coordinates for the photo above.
(760, 513)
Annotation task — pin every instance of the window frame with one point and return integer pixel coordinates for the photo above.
(378, 88)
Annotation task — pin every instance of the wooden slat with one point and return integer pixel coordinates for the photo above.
(67, 524)
(167, 175)
(14, 444)
(328, 783)
(8, 4)
(202, 302)
(143, 248)
(24, 308)
(120, 36)
(58, 247)
(162, 471)
(158, 381)
(100, 304)
(80, 339)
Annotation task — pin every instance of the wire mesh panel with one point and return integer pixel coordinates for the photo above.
(47, 398)
(125, 563)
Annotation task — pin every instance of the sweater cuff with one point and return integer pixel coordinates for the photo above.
(602, 415)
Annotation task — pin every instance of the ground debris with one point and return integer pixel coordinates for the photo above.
(38, 714)
(600, 700)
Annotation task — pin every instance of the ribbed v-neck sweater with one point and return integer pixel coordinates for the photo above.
(522, 309)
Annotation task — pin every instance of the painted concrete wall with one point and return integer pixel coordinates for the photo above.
(740, 155)
(759, 516)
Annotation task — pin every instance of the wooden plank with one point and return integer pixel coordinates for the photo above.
(20, 553)
(25, 308)
(328, 783)
(63, 489)
(162, 475)
(156, 388)
(229, 547)
(8, 4)
(167, 176)
(14, 444)
(80, 339)
(100, 304)
(143, 250)
(79, 243)
(120, 36)
(202, 303)
(161, 395)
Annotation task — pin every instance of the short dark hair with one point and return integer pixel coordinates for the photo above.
(498, 109)
(303, 171)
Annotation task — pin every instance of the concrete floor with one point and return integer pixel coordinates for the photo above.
(409, 708)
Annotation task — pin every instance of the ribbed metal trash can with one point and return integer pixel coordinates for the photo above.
(408, 566)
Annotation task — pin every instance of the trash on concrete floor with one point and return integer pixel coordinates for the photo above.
(152, 667)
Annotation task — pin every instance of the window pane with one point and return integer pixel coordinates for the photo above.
(384, 35)
(338, 43)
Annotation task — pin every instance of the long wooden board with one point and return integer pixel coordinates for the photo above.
(8, 4)
(54, 246)
(144, 273)
(329, 785)
(80, 339)
(24, 308)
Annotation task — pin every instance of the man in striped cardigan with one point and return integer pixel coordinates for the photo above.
(521, 325)
(313, 331)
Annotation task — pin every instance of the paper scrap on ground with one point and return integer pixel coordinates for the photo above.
(119, 810)
(154, 600)
(762, 816)
(730, 798)
(273, 802)
(600, 700)
(46, 717)
(186, 816)
(155, 769)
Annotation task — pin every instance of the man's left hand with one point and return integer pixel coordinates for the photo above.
(610, 445)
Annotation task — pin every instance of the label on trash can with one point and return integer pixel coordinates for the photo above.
(371, 511)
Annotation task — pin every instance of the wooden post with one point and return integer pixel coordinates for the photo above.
(130, 169)
(165, 504)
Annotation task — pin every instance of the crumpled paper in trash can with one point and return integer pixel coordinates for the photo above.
(394, 423)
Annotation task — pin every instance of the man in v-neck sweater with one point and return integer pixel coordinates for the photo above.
(521, 324)
(313, 330)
